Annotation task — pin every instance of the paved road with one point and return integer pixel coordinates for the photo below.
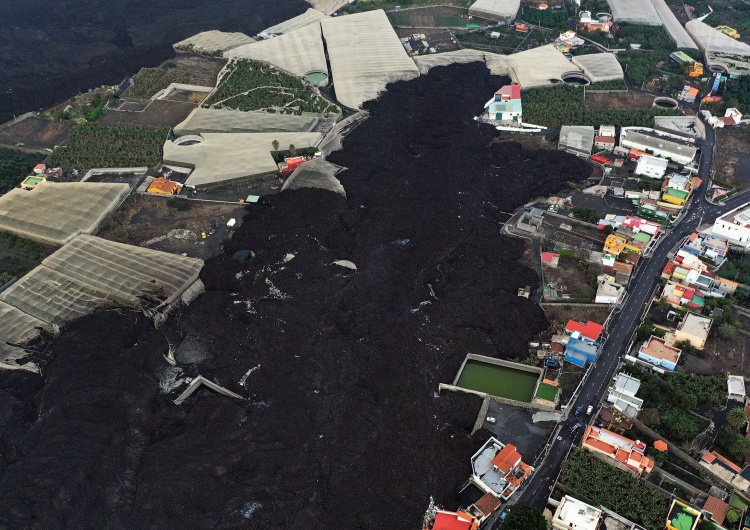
(625, 321)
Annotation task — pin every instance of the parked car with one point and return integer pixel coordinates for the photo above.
(579, 408)
(552, 363)
(575, 427)
(591, 408)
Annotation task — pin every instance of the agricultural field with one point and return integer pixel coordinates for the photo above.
(562, 105)
(431, 17)
(157, 113)
(255, 86)
(34, 134)
(736, 15)
(91, 146)
(14, 167)
(509, 41)
(618, 100)
(601, 484)
(556, 19)
(188, 69)
(18, 256)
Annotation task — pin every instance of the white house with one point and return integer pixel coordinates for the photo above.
(735, 226)
(622, 394)
(658, 144)
(652, 166)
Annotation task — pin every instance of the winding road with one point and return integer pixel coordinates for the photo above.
(627, 318)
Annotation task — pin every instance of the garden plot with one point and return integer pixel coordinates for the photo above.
(431, 17)
(576, 274)
(33, 133)
(255, 86)
(93, 146)
(156, 113)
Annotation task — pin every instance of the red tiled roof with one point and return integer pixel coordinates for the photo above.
(547, 257)
(731, 465)
(604, 140)
(39, 166)
(506, 458)
(590, 330)
(514, 91)
(669, 268)
(453, 521)
(488, 504)
(717, 508)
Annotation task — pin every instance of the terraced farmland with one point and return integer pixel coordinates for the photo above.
(249, 85)
(95, 146)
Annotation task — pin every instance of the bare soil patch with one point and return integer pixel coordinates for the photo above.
(618, 100)
(732, 160)
(142, 220)
(34, 133)
(560, 313)
(157, 113)
(577, 275)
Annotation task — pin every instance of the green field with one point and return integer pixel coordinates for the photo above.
(500, 381)
(255, 86)
(149, 81)
(92, 146)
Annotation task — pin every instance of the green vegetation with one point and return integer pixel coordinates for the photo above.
(736, 268)
(737, 94)
(737, 417)
(149, 81)
(561, 105)
(588, 215)
(525, 518)
(18, 256)
(547, 18)
(621, 492)
(669, 403)
(737, 17)
(608, 85)
(647, 329)
(181, 205)
(14, 167)
(649, 37)
(732, 445)
(256, 86)
(91, 146)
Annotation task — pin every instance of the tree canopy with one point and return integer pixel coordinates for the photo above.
(525, 518)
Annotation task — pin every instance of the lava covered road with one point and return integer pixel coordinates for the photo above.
(625, 321)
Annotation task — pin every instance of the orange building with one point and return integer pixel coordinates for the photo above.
(164, 186)
(623, 450)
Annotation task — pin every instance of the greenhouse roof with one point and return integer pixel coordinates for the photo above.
(674, 28)
(215, 41)
(203, 120)
(365, 55)
(635, 12)
(220, 158)
(316, 173)
(91, 273)
(298, 52)
(328, 6)
(495, 9)
(54, 213)
(599, 66)
(496, 63)
(311, 16)
(540, 66)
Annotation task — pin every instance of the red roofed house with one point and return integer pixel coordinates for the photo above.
(39, 169)
(628, 453)
(717, 509)
(551, 259)
(498, 469)
(604, 142)
(454, 521)
(590, 330)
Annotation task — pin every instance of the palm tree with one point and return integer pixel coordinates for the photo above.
(737, 417)
(275, 145)
(292, 150)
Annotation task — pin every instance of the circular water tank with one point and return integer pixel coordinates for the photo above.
(317, 78)
(666, 103)
(576, 79)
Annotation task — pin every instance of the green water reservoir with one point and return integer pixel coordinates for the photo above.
(319, 79)
(500, 381)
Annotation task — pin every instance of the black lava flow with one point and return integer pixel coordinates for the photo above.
(343, 426)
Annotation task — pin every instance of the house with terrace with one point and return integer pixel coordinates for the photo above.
(498, 469)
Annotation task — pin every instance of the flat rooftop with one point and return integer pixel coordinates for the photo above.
(578, 514)
(658, 142)
(579, 137)
(739, 216)
(481, 464)
(696, 325)
(658, 349)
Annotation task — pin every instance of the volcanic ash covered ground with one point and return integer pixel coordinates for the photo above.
(343, 426)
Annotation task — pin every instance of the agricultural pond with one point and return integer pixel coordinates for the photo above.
(496, 380)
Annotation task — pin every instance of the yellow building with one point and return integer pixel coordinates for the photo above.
(614, 244)
(694, 69)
